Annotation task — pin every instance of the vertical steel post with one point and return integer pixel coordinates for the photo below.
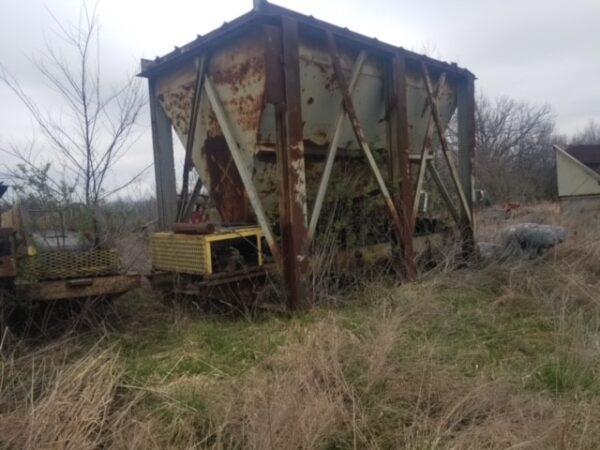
(291, 171)
(466, 153)
(400, 149)
(164, 164)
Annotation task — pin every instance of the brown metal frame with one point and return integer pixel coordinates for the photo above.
(290, 166)
(281, 40)
(466, 155)
(464, 203)
(400, 157)
(164, 160)
(426, 150)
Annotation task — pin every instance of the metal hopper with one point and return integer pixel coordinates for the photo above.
(280, 112)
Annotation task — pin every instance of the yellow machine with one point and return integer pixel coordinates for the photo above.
(227, 251)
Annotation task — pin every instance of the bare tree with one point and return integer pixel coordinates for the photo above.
(589, 135)
(97, 126)
(514, 154)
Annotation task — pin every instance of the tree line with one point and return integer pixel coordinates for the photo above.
(99, 125)
(515, 158)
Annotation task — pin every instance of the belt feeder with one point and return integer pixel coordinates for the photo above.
(293, 125)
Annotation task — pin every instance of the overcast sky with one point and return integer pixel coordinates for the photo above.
(540, 51)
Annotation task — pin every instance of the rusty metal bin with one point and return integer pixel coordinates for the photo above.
(282, 115)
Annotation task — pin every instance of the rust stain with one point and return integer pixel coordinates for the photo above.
(225, 185)
(239, 74)
(214, 129)
(321, 134)
(177, 104)
(247, 110)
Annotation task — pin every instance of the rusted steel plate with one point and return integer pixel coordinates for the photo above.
(226, 187)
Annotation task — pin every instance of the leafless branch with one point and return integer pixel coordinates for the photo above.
(99, 125)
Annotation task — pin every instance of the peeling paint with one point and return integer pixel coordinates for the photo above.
(238, 71)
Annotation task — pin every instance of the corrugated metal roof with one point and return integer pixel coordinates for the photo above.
(267, 12)
(586, 154)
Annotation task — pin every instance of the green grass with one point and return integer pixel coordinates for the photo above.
(567, 373)
(200, 346)
(158, 348)
(465, 328)
(408, 358)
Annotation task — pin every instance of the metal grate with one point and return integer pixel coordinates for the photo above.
(179, 253)
(68, 264)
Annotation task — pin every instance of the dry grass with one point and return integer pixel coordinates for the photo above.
(49, 402)
(503, 356)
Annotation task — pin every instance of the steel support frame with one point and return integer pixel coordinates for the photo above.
(466, 155)
(425, 152)
(164, 163)
(399, 144)
(185, 201)
(437, 179)
(291, 167)
(360, 133)
(332, 151)
(293, 253)
(458, 183)
(241, 164)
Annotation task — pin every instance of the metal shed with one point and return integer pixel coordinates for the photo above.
(276, 110)
(578, 179)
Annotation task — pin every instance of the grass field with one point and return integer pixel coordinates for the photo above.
(502, 355)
